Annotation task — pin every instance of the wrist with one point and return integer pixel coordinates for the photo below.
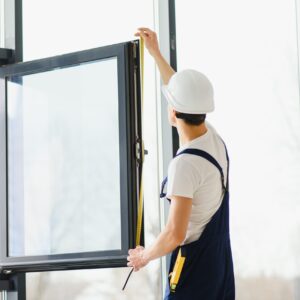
(146, 256)
(157, 55)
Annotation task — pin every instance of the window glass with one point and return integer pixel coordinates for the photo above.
(60, 152)
(53, 27)
(7, 25)
(249, 51)
(2, 33)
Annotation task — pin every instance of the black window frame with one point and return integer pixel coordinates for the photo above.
(173, 60)
(130, 127)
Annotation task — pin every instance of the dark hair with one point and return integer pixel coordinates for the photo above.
(191, 119)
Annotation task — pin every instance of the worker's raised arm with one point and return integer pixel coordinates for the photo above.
(151, 44)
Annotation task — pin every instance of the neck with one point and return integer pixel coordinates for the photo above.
(188, 133)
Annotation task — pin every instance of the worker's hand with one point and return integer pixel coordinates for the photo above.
(136, 258)
(150, 40)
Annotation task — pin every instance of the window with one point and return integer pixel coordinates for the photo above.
(70, 167)
(42, 29)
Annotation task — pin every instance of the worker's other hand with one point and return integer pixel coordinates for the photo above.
(136, 258)
(150, 39)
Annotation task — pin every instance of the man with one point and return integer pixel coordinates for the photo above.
(197, 188)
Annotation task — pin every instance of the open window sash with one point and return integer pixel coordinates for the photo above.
(70, 132)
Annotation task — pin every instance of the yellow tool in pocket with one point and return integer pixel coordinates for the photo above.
(175, 275)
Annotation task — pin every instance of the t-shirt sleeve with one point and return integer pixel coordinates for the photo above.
(183, 178)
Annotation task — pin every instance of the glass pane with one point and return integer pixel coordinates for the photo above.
(249, 51)
(63, 140)
(53, 27)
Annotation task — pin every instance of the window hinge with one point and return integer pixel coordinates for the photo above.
(6, 56)
(5, 283)
(140, 151)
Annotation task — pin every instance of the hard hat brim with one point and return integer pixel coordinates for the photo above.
(178, 107)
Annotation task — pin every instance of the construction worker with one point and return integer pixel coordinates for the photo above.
(197, 188)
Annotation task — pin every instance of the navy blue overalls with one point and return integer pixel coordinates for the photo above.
(207, 273)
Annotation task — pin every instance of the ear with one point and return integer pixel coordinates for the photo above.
(173, 118)
(173, 111)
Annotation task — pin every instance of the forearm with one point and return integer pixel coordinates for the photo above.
(151, 44)
(166, 242)
(171, 237)
(166, 71)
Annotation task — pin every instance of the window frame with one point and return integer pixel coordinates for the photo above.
(130, 163)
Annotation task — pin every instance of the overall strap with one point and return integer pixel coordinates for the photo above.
(208, 157)
(227, 157)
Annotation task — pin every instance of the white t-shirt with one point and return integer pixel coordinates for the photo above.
(195, 177)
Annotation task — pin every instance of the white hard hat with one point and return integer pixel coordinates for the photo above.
(190, 91)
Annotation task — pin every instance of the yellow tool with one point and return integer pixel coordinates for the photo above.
(175, 275)
(141, 194)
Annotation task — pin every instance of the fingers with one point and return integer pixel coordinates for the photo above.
(145, 29)
(145, 32)
(130, 264)
(144, 35)
(141, 34)
(135, 259)
(133, 251)
(150, 39)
